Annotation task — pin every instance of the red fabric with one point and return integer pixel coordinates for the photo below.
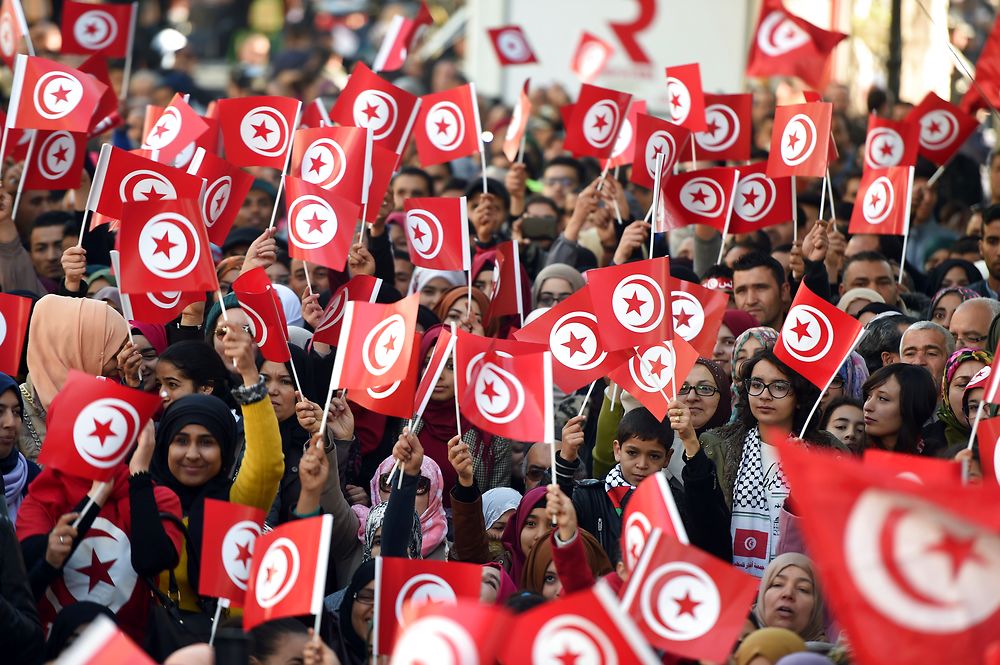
(988, 436)
(47, 95)
(655, 136)
(648, 374)
(705, 196)
(371, 102)
(511, 45)
(437, 232)
(651, 504)
(591, 56)
(226, 187)
(361, 287)
(728, 128)
(448, 125)
(257, 131)
(260, 302)
(572, 566)
(57, 162)
(96, 29)
(333, 158)
(518, 124)
(761, 201)
(15, 312)
(177, 127)
(320, 224)
(891, 143)
(440, 632)
(800, 143)
(103, 554)
(697, 314)
(395, 398)
(106, 114)
(376, 341)
(595, 120)
(624, 150)
(686, 100)
(12, 14)
(510, 284)
(943, 127)
(883, 203)
(510, 396)
(227, 545)
(631, 304)
(987, 76)
(787, 45)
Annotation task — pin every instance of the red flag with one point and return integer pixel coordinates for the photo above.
(816, 337)
(288, 571)
(106, 115)
(654, 137)
(687, 101)
(507, 288)
(800, 140)
(909, 569)
(987, 74)
(320, 224)
(650, 507)
(47, 95)
(630, 302)
(686, 601)
(227, 545)
(103, 643)
(787, 45)
(131, 179)
(761, 201)
(591, 57)
(705, 196)
(595, 121)
(891, 143)
(650, 371)
(315, 115)
(177, 127)
(518, 124)
(883, 204)
(400, 39)
(943, 128)
(226, 187)
(988, 436)
(57, 162)
(375, 343)
(624, 149)
(104, 29)
(97, 423)
(371, 102)
(584, 627)
(448, 125)
(164, 247)
(13, 32)
(333, 158)
(466, 632)
(441, 355)
(15, 312)
(261, 304)
(512, 397)
(697, 314)
(18, 141)
(471, 350)
(511, 45)
(728, 127)
(408, 583)
(571, 331)
(393, 399)
(361, 287)
(915, 468)
(151, 307)
(257, 131)
(437, 232)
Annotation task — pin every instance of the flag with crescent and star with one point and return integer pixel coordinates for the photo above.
(320, 223)
(942, 128)
(176, 128)
(437, 232)
(891, 143)
(632, 303)
(226, 186)
(655, 137)
(650, 506)
(14, 35)
(728, 125)
(686, 100)
(882, 206)
(97, 28)
(360, 287)
(800, 140)
(784, 44)
(375, 343)
(761, 201)
(258, 131)
(511, 396)
(57, 161)
(47, 95)
(448, 125)
(259, 301)
(465, 631)
(595, 121)
(227, 546)
(371, 102)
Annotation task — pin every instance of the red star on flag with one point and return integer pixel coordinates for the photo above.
(683, 318)
(97, 571)
(750, 198)
(600, 122)
(886, 149)
(60, 154)
(657, 366)
(317, 164)
(874, 200)
(934, 127)
(792, 140)
(442, 126)
(61, 95)
(261, 131)
(489, 392)
(391, 344)
(418, 234)
(315, 223)
(686, 605)
(102, 430)
(271, 570)
(700, 196)
(163, 244)
(712, 128)
(243, 554)
(159, 130)
(574, 344)
(568, 657)
(801, 329)
(958, 550)
(371, 111)
(635, 304)
(153, 194)
(675, 101)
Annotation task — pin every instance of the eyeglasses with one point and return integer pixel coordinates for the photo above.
(777, 389)
(565, 182)
(535, 473)
(221, 332)
(549, 299)
(701, 390)
(365, 597)
(837, 382)
(423, 484)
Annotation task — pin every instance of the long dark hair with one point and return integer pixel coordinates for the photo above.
(917, 399)
(199, 362)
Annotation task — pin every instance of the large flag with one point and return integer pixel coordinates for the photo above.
(288, 571)
(48, 95)
(705, 196)
(908, 569)
(655, 137)
(403, 585)
(15, 312)
(594, 123)
(697, 314)
(375, 343)
(987, 75)
(257, 131)
(654, 373)
(371, 102)
(883, 204)
(97, 29)
(512, 396)
(150, 307)
(164, 248)
(462, 633)
(728, 126)
(400, 39)
(591, 57)
(891, 143)
(177, 127)
(943, 127)
(226, 187)
(583, 627)
(988, 436)
(686, 101)
(92, 425)
(227, 545)
(393, 399)
(13, 32)
(57, 161)
(686, 601)
(511, 45)
(360, 287)
(761, 201)
(816, 337)
(787, 45)
(650, 507)
(571, 331)
(518, 124)
(632, 303)
(448, 125)
(260, 302)
(916, 468)
(437, 232)
(624, 151)
(320, 224)
(800, 142)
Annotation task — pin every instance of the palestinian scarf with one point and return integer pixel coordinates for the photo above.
(759, 493)
(617, 487)
(376, 517)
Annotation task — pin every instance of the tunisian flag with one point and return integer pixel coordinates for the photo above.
(800, 143)
(705, 196)
(518, 124)
(624, 150)
(987, 76)
(632, 303)
(375, 343)
(393, 399)
(437, 232)
(257, 131)
(883, 204)
(225, 188)
(261, 304)
(909, 569)
(177, 127)
(761, 201)
(57, 162)
(102, 29)
(13, 32)
(462, 632)
(443, 351)
(511, 45)
(371, 102)
(512, 396)
(988, 436)
(288, 571)
(727, 127)
(227, 545)
(697, 314)
(102, 643)
(816, 337)
(320, 224)
(471, 350)
(650, 507)
(943, 127)
(891, 143)
(507, 287)
(686, 101)
(97, 422)
(591, 56)
(595, 121)
(687, 601)
(15, 312)
(151, 307)
(399, 40)
(360, 287)
(654, 137)
(47, 95)
(654, 373)
(787, 45)
(448, 125)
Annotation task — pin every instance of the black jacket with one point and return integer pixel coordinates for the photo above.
(21, 638)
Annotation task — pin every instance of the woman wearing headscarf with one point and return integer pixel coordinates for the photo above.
(951, 425)
(735, 322)
(137, 360)
(750, 342)
(555, 283)
(454, 308)
(767, 646)
(291, 305)
(790, 597)
(64, 334)
(952, 272)
(353, 610)
(18, 472)
(21, 636)
(195, 453)
(497, 585)
(432, 284)
(215, 323)
(848, 382)
(427, 495)
(946, 301)
(70, 623)
(373, 545)
(499, 505)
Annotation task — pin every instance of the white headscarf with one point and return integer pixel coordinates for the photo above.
(497, 501)
(291, 304)
(423, 275)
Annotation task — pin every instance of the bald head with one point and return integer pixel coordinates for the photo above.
(536, 463)
(970, 324)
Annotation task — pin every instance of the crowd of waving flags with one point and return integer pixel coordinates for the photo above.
(634, 323)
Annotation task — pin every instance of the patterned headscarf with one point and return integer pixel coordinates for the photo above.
(767, 337)
(955, 431)
(375, 519)
(854, 373)
(963, 292)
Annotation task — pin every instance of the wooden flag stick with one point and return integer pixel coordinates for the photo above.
(127, 71)
(90, 504)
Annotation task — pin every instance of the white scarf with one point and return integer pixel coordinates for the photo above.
(759, 493)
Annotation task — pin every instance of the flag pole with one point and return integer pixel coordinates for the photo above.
(822, 197)
(103, 485)
(215, 620)
(83, 226)
(833, 203)
(277, 199)
(520, 149)
(24, 171)
(975, 423)
(225, 316)
(586, 399)
(127, 71)
(305, 269)
(795, 213)
(694, 155)
(655, 206)
(454, 360)
(819, 399)
(906, 230)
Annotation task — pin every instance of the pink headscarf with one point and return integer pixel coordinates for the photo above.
(433, 522)
(507, 586)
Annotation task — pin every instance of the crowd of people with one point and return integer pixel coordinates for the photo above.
(236, 427)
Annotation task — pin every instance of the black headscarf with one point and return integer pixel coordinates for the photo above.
(211, 413)
(357, 644)
(7, 383)
(68, 620)
(936, 277)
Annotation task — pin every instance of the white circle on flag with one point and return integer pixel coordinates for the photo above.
(703, 196)
(258, 328)
(425, 233)
(383, 345)
(3, 329)
(95, 29)
(778, 34)
(445, 126)
(660, 142)
(237, 551)
(56, 155)
(624, 140)
(499, 394)
(435, 639)
(169, 246)
(377, 111)
(573, 341)
(679, 601)
(636, 530)
(512, 45)
(6, 35)
(653, 368)
(216, 199)
(56, 95)
(312, 222)
(422, 589)
(689, 315)
(164, 300)
(100, 568)
(755, 196)
(723, 128)
(807, 334)
(884, 148)
(323, 163)
(880, 197)
(104, 430)
(574, 639)
(590, 60)
(146, 185)
(638, 304)
(938, 129)
(265, 131)
(165, 130)
(382, 392)
(600, 124)
(679, 100)
(798, 140)
(277, 573)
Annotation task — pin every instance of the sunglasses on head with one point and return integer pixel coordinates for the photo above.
(423, 484)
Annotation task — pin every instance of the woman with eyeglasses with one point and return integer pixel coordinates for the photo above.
(747, 344)
(351, 612)
(952, 425)
(555, 283)
(899, 399)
